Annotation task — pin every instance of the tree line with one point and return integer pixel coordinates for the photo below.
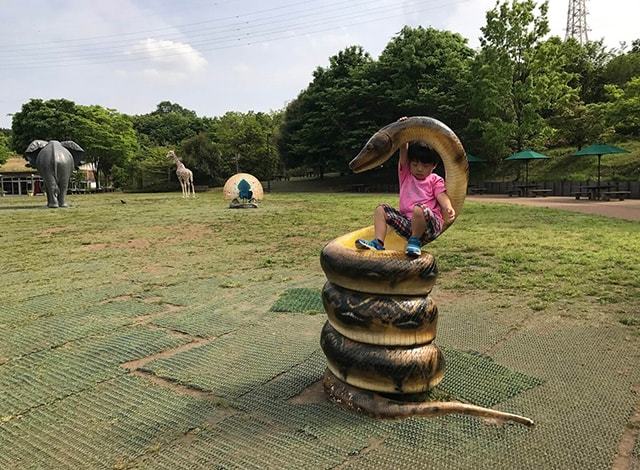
(131, 151)
(519, 89)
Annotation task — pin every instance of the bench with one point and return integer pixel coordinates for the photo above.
(607, 195)
(586, 194)
(513, 192)
(541, 192)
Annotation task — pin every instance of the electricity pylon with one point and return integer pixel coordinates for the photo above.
(577, 21)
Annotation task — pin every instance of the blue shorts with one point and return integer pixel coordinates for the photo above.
(402, 224)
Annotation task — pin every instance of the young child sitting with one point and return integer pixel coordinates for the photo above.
(423, 200)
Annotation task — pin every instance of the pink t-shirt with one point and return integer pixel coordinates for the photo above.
(414, 191)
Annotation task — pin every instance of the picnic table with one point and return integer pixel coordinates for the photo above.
(541, 192)
(522, 189)
(620, 195)
(592, 191)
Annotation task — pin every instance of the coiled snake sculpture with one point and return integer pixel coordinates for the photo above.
(381, 320)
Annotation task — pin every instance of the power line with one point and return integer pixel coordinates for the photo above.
(219, 44)
(172, 28)
(198, 32)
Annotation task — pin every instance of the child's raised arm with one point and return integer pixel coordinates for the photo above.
(403, 162)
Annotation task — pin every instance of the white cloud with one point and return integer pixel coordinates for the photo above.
(170, 60)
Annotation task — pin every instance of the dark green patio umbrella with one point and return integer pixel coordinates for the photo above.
(527, 155)
(599, 150)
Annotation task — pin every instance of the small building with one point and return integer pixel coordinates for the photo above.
(16, 178)
(87, 178)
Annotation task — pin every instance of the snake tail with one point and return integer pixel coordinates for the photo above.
(379, 406)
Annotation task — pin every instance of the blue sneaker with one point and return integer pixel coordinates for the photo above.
(413, 247)
(369, 244)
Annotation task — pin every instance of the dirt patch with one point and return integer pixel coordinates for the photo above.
(628, 209)
(172, 333)
(178, 388)
(168, 310)
(175, 386)
(312, 395)
(624, 456)
(138, 243)
(138, 363)
(444, 297)
(372, 445)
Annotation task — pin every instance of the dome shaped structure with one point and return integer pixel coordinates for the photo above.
(243, 190)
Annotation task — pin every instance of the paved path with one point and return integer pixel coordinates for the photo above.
(629, 209)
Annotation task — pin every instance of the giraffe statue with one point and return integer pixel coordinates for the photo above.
(185, 176)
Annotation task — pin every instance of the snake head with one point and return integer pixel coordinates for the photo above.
(375, 152)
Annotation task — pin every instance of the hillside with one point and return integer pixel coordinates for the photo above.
(562, 166)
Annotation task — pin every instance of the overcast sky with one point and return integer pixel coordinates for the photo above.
(218, 56)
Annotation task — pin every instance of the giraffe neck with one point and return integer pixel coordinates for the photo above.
(179, 164)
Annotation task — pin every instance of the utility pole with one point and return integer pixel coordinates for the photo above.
(237, 164)
(577, 21)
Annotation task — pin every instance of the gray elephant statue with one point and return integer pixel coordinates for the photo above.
(55, 162)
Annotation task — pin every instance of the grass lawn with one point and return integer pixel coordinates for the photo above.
(141, 334)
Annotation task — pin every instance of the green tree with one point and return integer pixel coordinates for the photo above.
(327, 122)
(202, 156)
(622, 68)
(520, 80)
(623, 108)
(586, 64)
(423, 72)
(420, 72)
(581, 124)
(107, 137)
(245, 142)
(167, 107)
(148, 169)
(168, 125)
(46, 120)
(5, 145)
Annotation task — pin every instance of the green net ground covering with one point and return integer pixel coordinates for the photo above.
(103, 426)
(149, 278)
(301, 300)
(46, 376)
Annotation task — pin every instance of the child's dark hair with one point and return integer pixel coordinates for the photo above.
(421, 152)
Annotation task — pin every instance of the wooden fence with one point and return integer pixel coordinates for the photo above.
(565, 188)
